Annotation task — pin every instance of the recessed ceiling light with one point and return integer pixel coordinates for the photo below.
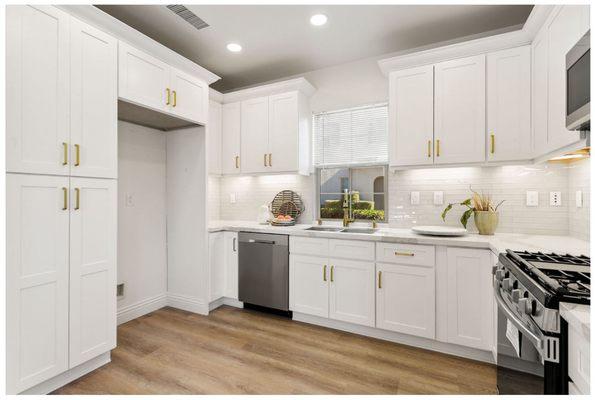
(318, 19)
(234, 47)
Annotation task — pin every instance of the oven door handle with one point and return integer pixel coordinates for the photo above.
(516, 321)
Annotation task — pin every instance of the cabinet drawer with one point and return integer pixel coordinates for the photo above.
(308, 246)
(578, 359)
(351, 249)
(408, 254)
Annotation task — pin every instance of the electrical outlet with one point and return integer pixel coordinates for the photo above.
(532, 198)
(232, 198)
(414, 198)
(579, 198)
(438, 198)
(555, 199)
(129, 200)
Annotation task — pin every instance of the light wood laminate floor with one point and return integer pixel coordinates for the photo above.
(235, 351)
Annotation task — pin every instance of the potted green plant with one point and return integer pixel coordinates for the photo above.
(483, 210)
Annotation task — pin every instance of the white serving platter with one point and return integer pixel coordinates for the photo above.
(440, 230)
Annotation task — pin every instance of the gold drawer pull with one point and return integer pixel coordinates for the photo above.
(438, 148)
(77, 198)
(265, 160)
(429, 148)
(175, 99)
(403, 253)
(270, 159)
(332, 270)
(379, 279)
(65, 195)
(237, 161)
(168, 92)
(77, 159)
(65, 152)
(493, 147)
(324, 273)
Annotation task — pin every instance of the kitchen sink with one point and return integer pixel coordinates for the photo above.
(325, 229)
(368, 231)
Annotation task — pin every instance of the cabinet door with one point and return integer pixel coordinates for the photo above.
(459, 131)
(143, 79)
(37, 93)
(255, 135)
(189, 97)
(230, 138)
(214, 138)
(216, 265)
(411, 116)
(283, 132)
(539, 93)
(36, 279)
(231, 265)
(469, 311)
(406, 299)
(509, 104)
(308, 285)
(93, 239)
(93, 102)
(352, 291)
(564, 30)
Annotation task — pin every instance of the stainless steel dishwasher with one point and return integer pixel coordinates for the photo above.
(263, 276)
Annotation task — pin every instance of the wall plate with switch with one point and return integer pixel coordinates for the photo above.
(555, 199)
(232, 198)
(414, 198)
(438, 198)
(532, 198)
(579, 198)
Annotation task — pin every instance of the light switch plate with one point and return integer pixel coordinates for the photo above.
(555, 199)
(438, 198)
(579, 198)
(232, 198)
(532, 198)
(414, 198)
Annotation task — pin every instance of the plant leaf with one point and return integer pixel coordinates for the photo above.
(466, 202)
(465, 217)
(446, 210)
(498, 205)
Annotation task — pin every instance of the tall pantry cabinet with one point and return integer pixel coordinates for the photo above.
(61, 162)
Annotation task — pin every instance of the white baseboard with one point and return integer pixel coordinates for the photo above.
(228, 301)
(141, 308)
(68, 376)
(188, 303)
(429, 344)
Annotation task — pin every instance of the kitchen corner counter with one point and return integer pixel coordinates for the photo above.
(578, 316)
(497, 243)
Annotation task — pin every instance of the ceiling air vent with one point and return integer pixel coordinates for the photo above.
(187, 16)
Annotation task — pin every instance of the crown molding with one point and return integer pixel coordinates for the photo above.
(300, 84)
(105, 22)
(215, 95)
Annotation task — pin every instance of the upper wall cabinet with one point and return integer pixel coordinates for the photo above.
(149, 82)
(255, 135)
(509, 104)
(61, 95)
(214, 138)
(230, 138)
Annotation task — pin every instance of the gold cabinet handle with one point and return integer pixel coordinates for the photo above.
(270, 159)
(438, 148)
(77, 159)
(332, 270)
(265, 160)
(65, 196)
(237, 161)
(65, 153)
(175, 99)
(324, 273)
(168, 92)
(379, 279)
(493, 143)
(429, 148)
(77, 198)
(403, 253)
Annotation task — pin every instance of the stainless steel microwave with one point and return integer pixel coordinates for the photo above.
(578, 85)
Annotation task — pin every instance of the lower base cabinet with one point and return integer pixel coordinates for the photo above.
(308, 285)
(223, 265)
(230, 245)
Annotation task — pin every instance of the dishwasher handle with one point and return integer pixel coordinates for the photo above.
(261, 241)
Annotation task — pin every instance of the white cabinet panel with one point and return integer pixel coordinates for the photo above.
(230, 138)
(509, 104)
(37, 279)
(214, 138)
(539, 93)
(93, 102)
(352, 291)
(469, 299)
(283, 132)
(579, 359)
(37, 89)
(403, 253)
(189, 97)
(93, 232)
(143, 79)
(216, 265)
(255, 135)
(351, 249)
(231, 264)
(459, 131)
(309, 246)
(411, 116)
(405, 299)
(309, 285)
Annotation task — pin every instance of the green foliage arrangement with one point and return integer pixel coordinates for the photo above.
(477, 202)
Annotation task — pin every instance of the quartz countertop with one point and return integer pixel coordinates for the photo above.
(579, 316)
(497, 243)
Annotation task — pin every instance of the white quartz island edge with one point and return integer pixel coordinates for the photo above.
(577, 315)
(497, 243)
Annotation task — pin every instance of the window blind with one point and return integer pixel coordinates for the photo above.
(357, 136)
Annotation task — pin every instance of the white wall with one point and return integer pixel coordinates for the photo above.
(142, 257)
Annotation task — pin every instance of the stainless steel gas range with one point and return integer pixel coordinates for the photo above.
(532, 338)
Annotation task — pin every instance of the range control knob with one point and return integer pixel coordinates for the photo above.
(499, 274)
(525, 305)
(507, 284)
(516, 295)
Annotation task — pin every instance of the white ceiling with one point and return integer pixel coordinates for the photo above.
(278, 40)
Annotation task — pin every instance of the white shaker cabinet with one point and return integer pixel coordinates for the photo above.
(216, 265)
(255, 135)
(351, 294)
(37, 90)
(459, 131)
(283, 132)
(469, 297)
(36, 279)
(93, 102)
(411, 116)
(93, 232)
(230, 138)
(230, 244)
(539, 90)
(509, 104)
(214, 138)
(189, 96)
(309, 285)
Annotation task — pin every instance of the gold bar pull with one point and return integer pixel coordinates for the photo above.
(379, 279)
(168, 92)
(493, 144)
(403, 253)
(77, 148)
(429, 148)
(175, 99)
(270, 159)
(65, 152)
(332, 270)
(438, 148)
(237, 161)
(324, 273)
(265, 160)
(65, 195)
(77, 198)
